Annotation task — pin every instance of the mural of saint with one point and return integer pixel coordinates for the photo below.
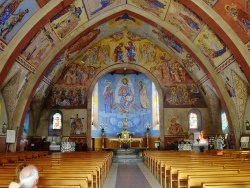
(15, 19)
(118, 53)
(143, 95)
(108, 98)
(190, 21)
(76, 125)
(126, 95)
(240, 16)
(175, 127)
(131, 51)
(8, 10)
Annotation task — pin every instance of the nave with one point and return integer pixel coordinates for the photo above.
(127, 175)
(160, 168)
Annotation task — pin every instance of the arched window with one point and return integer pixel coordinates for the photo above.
(224, 122)
(194, 120)
(55, 123)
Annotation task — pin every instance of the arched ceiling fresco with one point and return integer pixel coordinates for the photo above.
(203, 44)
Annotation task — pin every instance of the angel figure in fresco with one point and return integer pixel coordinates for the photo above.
(240, 16)
(104, 3)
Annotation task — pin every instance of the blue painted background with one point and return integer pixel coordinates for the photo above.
(137, 116)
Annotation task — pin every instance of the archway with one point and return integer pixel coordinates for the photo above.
(135, 69)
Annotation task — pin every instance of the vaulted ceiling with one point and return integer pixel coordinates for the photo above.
(41, 39)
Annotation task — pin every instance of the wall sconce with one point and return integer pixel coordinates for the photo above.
(4, 129)
(247, 125)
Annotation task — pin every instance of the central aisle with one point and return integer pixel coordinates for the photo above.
(130, 175)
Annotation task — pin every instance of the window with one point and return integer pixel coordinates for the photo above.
(224, 122)
(194, 120)
(55, 123)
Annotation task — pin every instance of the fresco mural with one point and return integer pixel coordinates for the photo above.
(13, 15)
(237, 87)
(158, 8)
(68, 19)
(211, 46)
(37, 49)
(236, 14)
(124, 47)
(121, 96)
(175, 127)
(185, 20)
(41, 3)
(211, 3)
(95, 7)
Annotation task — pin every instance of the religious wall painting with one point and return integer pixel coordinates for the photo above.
(236, 14)
(123, 22)
(41, 3)
(76, 125)
(190, 64)
(169, 41)
(237, 87)
(74, 50)
(185, 20)
(212, 46)
(227, 75)
(68, 19)
(96, 7)
(183, 96)
(56, 68)
(175, 128)
(13, 16)
(72, 87)
(67, 97)
(171, 72)
(211, 3)
(122, 96)
(157, 7)
(39, 46)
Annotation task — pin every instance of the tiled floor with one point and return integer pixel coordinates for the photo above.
(111, 178)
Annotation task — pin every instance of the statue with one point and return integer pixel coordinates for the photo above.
(125, 133)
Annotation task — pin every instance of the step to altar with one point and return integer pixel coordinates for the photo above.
(127, 155)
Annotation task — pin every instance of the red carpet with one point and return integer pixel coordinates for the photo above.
(130, 176)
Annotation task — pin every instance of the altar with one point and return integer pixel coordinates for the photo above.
(125, 137)
(126, 141)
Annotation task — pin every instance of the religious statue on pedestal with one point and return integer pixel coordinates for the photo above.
(125, 133)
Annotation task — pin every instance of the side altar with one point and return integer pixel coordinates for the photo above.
(125, 137)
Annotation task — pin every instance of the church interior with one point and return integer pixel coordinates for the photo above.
(104, 75)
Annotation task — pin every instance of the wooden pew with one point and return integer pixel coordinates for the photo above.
(227, 185)
(196, 181)
(83, 182)
(62, 174)
(59, 186)
(183, 175)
